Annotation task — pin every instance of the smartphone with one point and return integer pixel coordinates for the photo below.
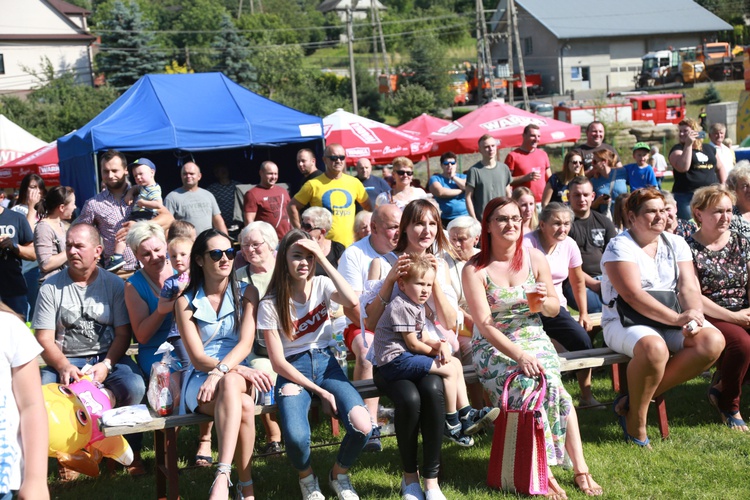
(701, 135)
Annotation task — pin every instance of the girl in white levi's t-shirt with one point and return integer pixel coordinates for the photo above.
(295, 322)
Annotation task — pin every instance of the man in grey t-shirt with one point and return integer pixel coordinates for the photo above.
(194, 204)
(81, 319)
(487, 179)
(82, 323)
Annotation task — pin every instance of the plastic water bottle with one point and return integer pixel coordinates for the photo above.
(341, 352)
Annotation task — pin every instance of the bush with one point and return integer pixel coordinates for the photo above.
(711, 95)
(411, 101)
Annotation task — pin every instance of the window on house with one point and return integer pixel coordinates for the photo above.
(2, 65)
(528, 46)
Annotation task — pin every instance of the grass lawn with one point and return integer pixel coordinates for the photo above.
(700, 460)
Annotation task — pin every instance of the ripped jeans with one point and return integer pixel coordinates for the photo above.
(320, 367)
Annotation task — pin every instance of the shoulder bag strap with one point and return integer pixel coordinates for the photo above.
(670, 250)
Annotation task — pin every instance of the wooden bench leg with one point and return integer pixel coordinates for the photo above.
(165, 451)
(616, 377)
(335, 427)
(661, 409)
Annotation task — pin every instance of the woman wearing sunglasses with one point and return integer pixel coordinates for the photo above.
(216, 319)
(317, 221)
(294, 320)
(449, 189)
(402, 192)
(557, 185)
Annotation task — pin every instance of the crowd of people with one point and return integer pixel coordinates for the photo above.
(417, 283)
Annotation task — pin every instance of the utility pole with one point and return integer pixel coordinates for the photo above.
(484, 59)
(376, 57)
(350, 36)
(519, 51)
(509, 38)
(386, 64)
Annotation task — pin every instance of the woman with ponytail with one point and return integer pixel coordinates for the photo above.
(49, 234)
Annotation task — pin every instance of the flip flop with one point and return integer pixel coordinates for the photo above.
(731, 421)
(646, 443)
(204, 460)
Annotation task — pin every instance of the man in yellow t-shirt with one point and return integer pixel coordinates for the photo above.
(334, 191)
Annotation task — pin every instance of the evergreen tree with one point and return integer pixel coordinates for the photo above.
(233, 55)
(128, 49)
(429, 69)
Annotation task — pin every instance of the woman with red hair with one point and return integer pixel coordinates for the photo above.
(509, 337)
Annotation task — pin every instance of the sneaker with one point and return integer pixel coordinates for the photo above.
(455, 434)
(373, 444)
(342, 485)
(478, 420)
(411, 491)
(310, 488)
(434, 494)
(274, 447)
(115, 263)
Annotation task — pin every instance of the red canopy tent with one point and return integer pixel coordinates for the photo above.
(502, 122)
(423, 125)
(43, 162)
(365, 138)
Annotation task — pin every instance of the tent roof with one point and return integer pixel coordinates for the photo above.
(15, 141)
(190, 112)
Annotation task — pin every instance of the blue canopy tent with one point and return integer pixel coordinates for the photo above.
(164, 114)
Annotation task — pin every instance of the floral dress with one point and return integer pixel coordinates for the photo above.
(510, 312)
(723, 273)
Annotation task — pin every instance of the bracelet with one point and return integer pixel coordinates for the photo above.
(385, 303)
(216, 373)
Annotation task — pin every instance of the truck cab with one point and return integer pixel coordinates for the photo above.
(658, 108)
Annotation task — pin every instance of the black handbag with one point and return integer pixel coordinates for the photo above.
(631, 317)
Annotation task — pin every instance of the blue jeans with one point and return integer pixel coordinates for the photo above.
(683, 205)
(321, 368)
(19, 303)
(593, 299)
(32, 285)
(125, 382)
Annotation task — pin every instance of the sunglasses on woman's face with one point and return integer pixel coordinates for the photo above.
(216, 254)
(307, 227)
(405, 172)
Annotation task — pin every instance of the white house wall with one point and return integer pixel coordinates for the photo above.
(62, 56)
(33, 17)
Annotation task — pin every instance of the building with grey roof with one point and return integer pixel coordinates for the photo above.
(598, 44)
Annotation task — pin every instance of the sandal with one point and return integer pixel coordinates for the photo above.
(241, 485)
(222, 470)
(204, 460)
(554, 492)
(646, 443)
(585, 484)
(729, 418)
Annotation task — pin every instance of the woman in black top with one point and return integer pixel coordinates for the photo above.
(695, 166)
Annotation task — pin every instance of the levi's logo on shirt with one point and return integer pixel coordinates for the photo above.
(312, 321)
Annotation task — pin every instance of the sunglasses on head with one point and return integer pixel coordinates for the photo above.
(449, 162)
(336, 157)
(404, 172)
(216, 254)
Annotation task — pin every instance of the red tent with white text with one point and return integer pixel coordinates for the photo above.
(43, 162)
(423, 125)
(365, 138)
(503, 122)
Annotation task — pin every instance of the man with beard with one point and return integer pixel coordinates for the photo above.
(108, 212)
(354, 266)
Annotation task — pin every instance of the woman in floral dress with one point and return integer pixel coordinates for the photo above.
(720, 257)
(508, 337)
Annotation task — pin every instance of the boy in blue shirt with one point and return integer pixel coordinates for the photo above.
(640, 173)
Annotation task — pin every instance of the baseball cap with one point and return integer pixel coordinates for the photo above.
(641, 145)
(143, 161)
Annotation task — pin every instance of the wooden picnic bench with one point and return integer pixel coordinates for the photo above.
(165, 428)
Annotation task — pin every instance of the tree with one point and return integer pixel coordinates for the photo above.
(412, 100)
(429, 69)
(232, 55)
(321, 95)
(278, 67)
(128, 50)
(198, 25)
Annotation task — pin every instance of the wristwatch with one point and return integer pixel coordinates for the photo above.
(222, 368)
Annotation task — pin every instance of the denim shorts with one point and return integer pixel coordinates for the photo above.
(407, 366)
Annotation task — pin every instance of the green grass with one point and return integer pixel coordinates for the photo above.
(700, 460)
(729, 91)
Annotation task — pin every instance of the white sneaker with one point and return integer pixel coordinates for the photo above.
(342, 485)
(310, 488)
(434, 494)
(411, 491)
